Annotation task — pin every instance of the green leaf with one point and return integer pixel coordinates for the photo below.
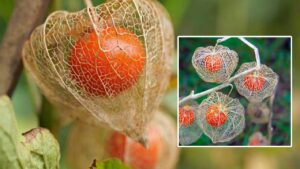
(39, 150)
(43, 148)
(12, 155)
(109, 164)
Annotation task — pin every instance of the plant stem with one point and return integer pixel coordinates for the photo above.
(221, 86)
(270, 128)
(88, 3)
(257, 56)
(27, 14)
(92, 15)
(229, 81)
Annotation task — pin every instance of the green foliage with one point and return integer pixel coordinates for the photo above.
(109, 164)
(12, 152)
(39, 149)
(43, 148)
(26, 102)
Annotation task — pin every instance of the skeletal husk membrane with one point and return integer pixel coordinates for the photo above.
(228, 118)
(214, 63)
(258, 139)
(47, 57)
(256, 85)
(259, 112)
(87, 142)
(189, 130)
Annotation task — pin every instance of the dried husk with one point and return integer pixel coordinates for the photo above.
(46, 56)
(191, 133)
(259, 112)
(229, 61)
(87, 142)
(268, 88)
(234, 124)
(258, 139)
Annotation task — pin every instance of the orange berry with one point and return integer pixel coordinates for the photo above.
(213, 63)
(254, 142)
(137, 156)
(186, 116)
(110, 69)
(254, 81)
(215, 117)
(116, 146)
(257, 139)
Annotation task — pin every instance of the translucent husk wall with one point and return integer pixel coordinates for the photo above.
(128, 97)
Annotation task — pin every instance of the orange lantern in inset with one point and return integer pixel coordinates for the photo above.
(258, 84)
(221, 117)
(189, 130)
(257, 139)
(214, 63)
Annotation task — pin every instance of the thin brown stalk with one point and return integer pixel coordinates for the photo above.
(27, 14)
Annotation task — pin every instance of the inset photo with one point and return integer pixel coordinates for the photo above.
(235, 91)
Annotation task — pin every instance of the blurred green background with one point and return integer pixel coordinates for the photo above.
(274, 52)
(201, 17)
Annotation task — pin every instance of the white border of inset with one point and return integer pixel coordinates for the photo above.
(291, 86)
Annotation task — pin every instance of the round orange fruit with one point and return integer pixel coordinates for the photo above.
(215, 117)
(255, 142)
(186, 116)
(213, 63)
(135, 154)
(109, 64)
(254, 81)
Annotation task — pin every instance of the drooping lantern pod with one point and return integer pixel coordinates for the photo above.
(258, 84)
(221, 117)
(214, 63)
(87, 142)
(259, 112)
(189, 130)
(257, 139)
(111, 62)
